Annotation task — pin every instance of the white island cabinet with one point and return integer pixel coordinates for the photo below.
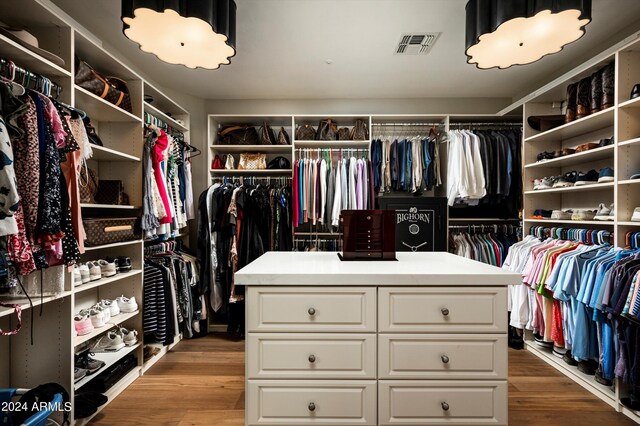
(417, 341)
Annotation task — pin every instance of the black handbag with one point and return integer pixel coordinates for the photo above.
(239, 135)
(279, 163)
(91, 132)
(267, 137)
(327, 130)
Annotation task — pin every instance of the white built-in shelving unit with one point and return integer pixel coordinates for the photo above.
(51, 357)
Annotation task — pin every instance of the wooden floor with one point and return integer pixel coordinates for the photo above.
(201, 382)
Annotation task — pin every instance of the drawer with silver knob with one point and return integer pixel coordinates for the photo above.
(442, 356)
(410, 402)
(311, 356)
(311, 309)
(321, 402)
(442, 310)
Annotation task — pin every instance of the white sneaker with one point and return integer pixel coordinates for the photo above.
(94, 271)
(127, 305)
(604, 213)
(106, 312)
(96, 316)
(110, 342)
(636, 215)
(85, 275)
(112, 306)
(130, 337)
(560, 215)
(108, 268)
(583, 215)
(77, 277)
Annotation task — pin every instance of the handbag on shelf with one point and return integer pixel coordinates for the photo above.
(283, 137)
(344, 134)
(229, 162)
(305, 133)
(279, 163)
(111, 89)
(267, 137)
(252, 161)
(88, 183)
(327, 130)
(91, 132)
(359, 132)
(216, 164)
(110, 230)
(111, 192)
(239, 135)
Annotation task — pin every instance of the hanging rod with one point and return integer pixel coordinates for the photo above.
(487, 124)
(407, 124)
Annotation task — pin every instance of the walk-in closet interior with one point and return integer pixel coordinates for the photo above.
(319, 212)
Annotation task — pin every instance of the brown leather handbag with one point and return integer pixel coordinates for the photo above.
(327, 130)
(88, 183)
(305, 133)
(344, 134)
(252, 161)
(111, 89)
(238, 135)
(110, 230)
(359, 132)
(283, 137)
(267, 137)
(111, 192)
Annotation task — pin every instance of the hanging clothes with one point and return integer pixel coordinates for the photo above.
(487, 244)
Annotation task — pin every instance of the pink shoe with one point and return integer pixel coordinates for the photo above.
(82, 324)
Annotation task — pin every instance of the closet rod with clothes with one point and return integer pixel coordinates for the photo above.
(411, 124)
(582, 235)
(484, 243)
(9, 71)
(485, 124)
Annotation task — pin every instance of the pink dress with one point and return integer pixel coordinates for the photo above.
(158, 156)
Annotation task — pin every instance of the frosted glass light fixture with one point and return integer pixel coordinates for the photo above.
(503, 33)
(193, 33)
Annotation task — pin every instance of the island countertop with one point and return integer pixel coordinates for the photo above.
(326, 269)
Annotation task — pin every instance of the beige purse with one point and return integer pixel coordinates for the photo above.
(230, 162)
(252, 161)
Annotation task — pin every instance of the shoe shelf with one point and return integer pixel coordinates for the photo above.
(628, 223)
(116, 320)
(101, 153)
(108, 206)
(588, 124)
(577, 223)
(601, 153)
(629, 182)
(112, 393)
(105, 246)
(150, 109)
(332, 144)
(631, 103)
(594, 187)
(630, 142)
(35, 301)
(101, 110)
(275, 149)
(32, 61)
(109, 358)
(104, 281)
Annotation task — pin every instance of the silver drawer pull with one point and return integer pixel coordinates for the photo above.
(445, 359)
(311, 311)
(445, 406)
(312, 406)
(445, 312)
(312, 358)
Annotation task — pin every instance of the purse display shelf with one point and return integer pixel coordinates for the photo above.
(279, 149)
(101, 110)
(577, 158)
(332, 144)
(109, 358)
(272, 172)
(104, 281)
(101, 153)
(150, 109)
(581, 126)
(119, 319)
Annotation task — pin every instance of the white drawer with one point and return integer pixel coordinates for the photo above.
(457, 356)
(311, 356)
(442, 402)
(312, 309)
(319, 402)
(442, 310)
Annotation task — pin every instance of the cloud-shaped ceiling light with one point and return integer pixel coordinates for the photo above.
(193, 33)
(502, 33)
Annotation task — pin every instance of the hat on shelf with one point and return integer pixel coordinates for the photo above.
(545, 122)
(28, 40)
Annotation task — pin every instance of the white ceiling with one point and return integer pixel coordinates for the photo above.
(282, 46)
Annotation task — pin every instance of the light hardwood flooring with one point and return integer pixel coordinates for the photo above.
(201, 382)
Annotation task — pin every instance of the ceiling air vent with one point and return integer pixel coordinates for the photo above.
(416, 44)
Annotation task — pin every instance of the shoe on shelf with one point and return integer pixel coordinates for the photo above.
(79, 374)
(127, 305)
(605, 175)
(635, 176)
(112, 306)
(124, 264)
(606, 142)
(541, 214)
(82, 324)
(545, 156)
(636, 215)
(106, 312)
(82, 410)
(544, 183)
(108, 269)
(566, 180)
(635, 92)
(604, 212)
(568, 358)
(85, 275)
(94, 271)
(129, 337)
(77, 277)
(91, 398)
(85, 361)
(583, 215)
(561, 215)
(558, 351)
(601, 379)
(587, 147)
(588, 367)
(96, 316)
(587, 178)
(110, 342)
